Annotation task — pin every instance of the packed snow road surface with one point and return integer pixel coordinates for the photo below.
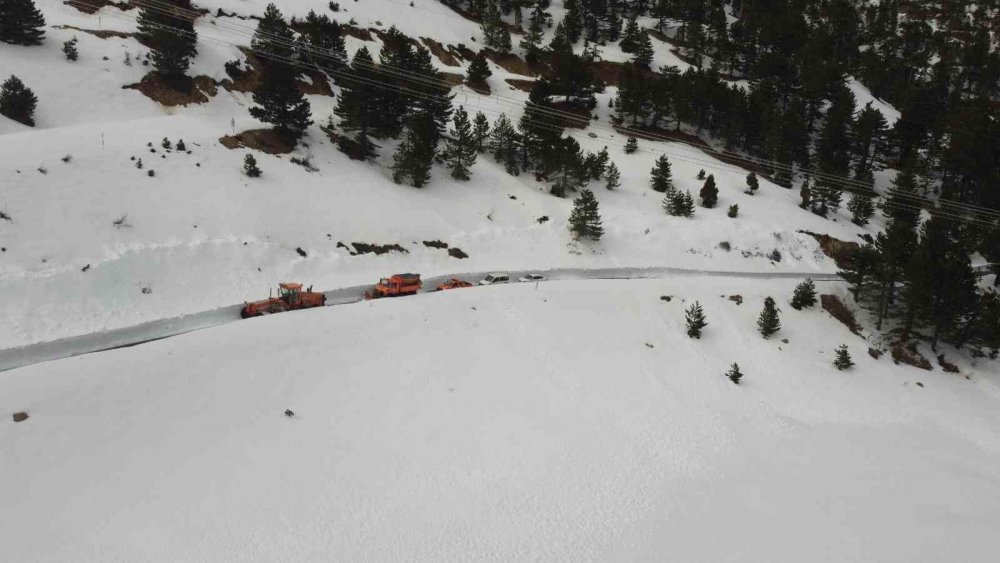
(155, 330)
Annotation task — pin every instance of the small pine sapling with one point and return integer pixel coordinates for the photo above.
(165, 143)
(701, 174)
(631, 145)
(843, 359)
(752, 183)
(805, 295)
(695, 319)
(734, 374)
(181, 146)
(768, 323)
(69, 49)
(250, 166)
(734, 210)
(613, 177)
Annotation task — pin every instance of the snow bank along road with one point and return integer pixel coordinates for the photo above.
(155, 330)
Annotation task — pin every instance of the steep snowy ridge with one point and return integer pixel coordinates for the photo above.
(189, 223)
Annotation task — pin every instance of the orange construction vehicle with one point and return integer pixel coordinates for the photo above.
(395, 286)
(290, 297)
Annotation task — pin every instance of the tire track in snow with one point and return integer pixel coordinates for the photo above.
(12, 358)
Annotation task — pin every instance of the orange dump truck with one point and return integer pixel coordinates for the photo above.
(290, 297)
(394, 286)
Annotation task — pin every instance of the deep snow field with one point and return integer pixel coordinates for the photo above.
(508, 423)
(563, 421)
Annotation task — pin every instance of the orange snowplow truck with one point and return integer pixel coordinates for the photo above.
(394, 286)
(290, 297)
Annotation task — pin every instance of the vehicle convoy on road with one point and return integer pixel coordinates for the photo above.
(395, 286)
(453, 283)
(290, 297)
(495, 278)
(531, 278)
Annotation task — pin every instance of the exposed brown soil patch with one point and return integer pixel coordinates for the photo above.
(833, 305)
(196, 90)
(511, 63)
(378, 249)
(738, 299)
(252, 77)
(320, 85)
(264, 140)
(102, 33)
(92, 6)
(20, 416)
(907, 354)
(874, 353)
(456, 252)
(479, 87)
(439, 51)
(357, 32)
(435, 244)
(946, 365)
(840, 251)
(452, 78)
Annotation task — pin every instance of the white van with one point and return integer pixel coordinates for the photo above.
(494, 279)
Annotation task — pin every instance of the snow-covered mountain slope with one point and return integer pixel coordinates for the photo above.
(569, 421)
(200, 234)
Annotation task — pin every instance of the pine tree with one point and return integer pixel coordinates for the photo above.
(69, 49)
(17, 101)
(804, 295)
(631, 145)
(686, 205)
(673, 201)
(321, 42)
(701, 174)
(250, 166)
(695, 319)
(478, 71)
(734, 373)
(752, 183)
(613, 177)
(280, 103)
(21, 23)
(531, 43)
(480, 131)
(709, 193)
(734, 210)
(169, 32)
(862, 207)
(504, 145)
(598, 164)
(630, 36)
(273, 40)
(585, 219)
(415, 155)
(461, 146)
(643, 52)
(181, 147)
(660, 176)
(769, 323)
(357, 108)
(495, 33)
(573, 20)
(843, 360)
(165, 143)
